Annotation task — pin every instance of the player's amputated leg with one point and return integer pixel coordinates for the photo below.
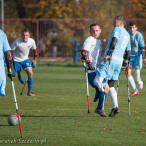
(20, 78)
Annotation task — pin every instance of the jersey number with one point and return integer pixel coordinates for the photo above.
(123, 46)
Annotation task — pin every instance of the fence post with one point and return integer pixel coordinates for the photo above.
(37, 33)
(75, 51)
(2, 14)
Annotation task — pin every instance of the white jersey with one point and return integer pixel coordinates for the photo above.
(21, 49)
(94, 48)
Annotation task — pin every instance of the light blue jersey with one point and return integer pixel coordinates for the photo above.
(122, 45)
(137, 42)
(4, 46)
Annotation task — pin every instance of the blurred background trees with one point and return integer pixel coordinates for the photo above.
(95, 9)
(56, 23)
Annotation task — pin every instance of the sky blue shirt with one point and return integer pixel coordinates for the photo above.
(4, 45)
(123, 42)
(137, 42)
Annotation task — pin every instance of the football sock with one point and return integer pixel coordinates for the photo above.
(30, 83)
(132, 83)
(113, 96)
(137, 73)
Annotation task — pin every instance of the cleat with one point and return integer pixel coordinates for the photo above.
(141, 85)
(134, 93)
(114, 111)
(100, 112)
(30, 94)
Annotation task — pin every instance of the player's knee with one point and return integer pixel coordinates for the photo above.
(107, 88)
(30, 74)
(111, 83)
(129, 72)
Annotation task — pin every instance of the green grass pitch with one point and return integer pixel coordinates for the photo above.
(57, 115)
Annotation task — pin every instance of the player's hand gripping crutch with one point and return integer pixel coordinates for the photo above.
(128, 88)
(106, 80)
(24, 86)
(16, 105)
(86, 73)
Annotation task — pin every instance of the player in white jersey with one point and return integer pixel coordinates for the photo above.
(20, 49)
(91, 52)
(136, 56)
(118, 43)
(5, 50)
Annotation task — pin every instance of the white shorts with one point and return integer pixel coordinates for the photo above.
(99, 82)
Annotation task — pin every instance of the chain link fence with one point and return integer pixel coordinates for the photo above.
(55, 37)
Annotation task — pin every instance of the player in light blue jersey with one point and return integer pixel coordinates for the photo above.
(118, 44)
(136, 57)
(91, 53)
(5, 50)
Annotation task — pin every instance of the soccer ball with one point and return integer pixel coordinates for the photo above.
(13, 119)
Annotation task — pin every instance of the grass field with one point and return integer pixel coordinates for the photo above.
(57, 115)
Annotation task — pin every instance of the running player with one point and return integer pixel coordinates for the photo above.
(5, 50)
(136, 56)
(91, 52)
(20, 49)
(118, 43)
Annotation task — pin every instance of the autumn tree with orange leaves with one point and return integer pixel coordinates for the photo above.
(135, 9)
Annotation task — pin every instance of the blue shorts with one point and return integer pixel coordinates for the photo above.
(114, 69)
(24, 64)
(136, 62)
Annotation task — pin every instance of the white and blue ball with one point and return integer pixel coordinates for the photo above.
(13, 119)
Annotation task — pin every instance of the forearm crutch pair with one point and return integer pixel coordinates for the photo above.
(24, 86)
(16, 105)
(86, 73)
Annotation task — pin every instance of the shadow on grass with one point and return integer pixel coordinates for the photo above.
(61, 64)
(45, 116)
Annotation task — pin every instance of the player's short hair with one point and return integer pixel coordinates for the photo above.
(94, 24)
(25, 30)
(121, 18)
(132, 24)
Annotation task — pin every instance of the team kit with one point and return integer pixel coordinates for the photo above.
(125, 51)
